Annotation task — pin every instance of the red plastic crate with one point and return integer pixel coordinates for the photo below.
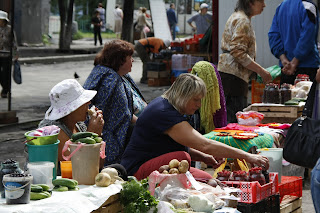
(253, 192)
(290, 185)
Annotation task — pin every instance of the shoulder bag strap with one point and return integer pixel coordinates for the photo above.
(308, 107)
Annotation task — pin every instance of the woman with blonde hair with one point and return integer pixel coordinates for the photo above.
(162, 133)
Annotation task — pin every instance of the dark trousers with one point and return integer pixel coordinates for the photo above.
(97, 33)
(289, 79)
(173, 30)
(5, 74)
(144, 56)
(236, 93)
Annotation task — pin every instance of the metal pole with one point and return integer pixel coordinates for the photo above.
(10, 56)
(215, 31)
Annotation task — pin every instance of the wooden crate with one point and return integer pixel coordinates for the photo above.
(291, 204)
(112, 205)
(279, 114)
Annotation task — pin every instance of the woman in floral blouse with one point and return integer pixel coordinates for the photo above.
(117, 96)
(236, 62)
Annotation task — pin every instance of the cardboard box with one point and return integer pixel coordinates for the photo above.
(158, 74)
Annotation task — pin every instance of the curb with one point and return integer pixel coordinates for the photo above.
(55, 59)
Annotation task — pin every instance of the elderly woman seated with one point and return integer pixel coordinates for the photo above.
(69, 109)
(162, 133)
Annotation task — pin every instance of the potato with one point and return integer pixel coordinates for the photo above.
(183, 166)
(174, 163)
(163, 168)
(173, 171)
(165, 172)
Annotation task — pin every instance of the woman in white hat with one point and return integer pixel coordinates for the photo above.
(69, 108)
(6, 43)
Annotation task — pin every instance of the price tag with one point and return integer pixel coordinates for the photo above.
(193, 181)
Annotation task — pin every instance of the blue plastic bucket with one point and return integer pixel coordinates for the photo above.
(44, 153)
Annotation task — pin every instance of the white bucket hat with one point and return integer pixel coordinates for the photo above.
(66, 97)
(204, 5)
(4, 15)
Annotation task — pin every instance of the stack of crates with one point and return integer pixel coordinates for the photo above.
(179, 65)
(158, 73)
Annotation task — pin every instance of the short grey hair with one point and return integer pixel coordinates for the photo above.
(185, 87)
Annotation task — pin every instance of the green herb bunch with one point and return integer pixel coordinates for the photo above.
(136, 198)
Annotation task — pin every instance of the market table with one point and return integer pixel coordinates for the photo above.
(87, 199)
(278, 113)
(263, 141)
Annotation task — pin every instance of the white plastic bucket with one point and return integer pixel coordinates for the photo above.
(275, 159)
(42, 172)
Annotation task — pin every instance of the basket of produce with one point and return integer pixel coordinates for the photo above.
(42, 136)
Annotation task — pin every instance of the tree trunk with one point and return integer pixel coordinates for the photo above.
(66, 13)
(127, 27)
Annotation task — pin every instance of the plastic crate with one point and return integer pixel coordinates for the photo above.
(290, 185)
(156, 66)
(253, 192)
(269, 205)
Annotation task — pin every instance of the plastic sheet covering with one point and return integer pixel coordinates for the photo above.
(87, 199)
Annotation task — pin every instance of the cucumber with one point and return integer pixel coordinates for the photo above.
(74, 189)
(36, 188)
(94, 135)
(79, 135)
(64, 182)
(45, 187)
(60, 188)
(98, 139)
(47, 193)
(39, 195)
(86, 140)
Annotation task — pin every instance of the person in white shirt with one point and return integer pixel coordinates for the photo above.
(118, 16)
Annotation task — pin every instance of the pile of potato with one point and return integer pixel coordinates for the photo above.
(175, 167)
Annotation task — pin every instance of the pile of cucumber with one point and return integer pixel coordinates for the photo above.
(40, 191)
(86, 137)
(65, 184)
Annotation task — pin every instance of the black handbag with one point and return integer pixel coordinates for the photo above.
(302, 143)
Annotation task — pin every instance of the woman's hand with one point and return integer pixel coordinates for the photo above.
(259, 160)
(96, 122)
(266, 76)
(211, 161)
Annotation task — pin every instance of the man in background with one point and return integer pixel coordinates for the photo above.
(102, 12)
(144, 47)
(172, 19)
(202, 20)
(293, 39)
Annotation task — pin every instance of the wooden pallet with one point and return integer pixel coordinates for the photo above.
(112, 205)
(279, 114)
(291, 204)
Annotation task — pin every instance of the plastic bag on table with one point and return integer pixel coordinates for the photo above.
(250, 118)
(176, 180)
